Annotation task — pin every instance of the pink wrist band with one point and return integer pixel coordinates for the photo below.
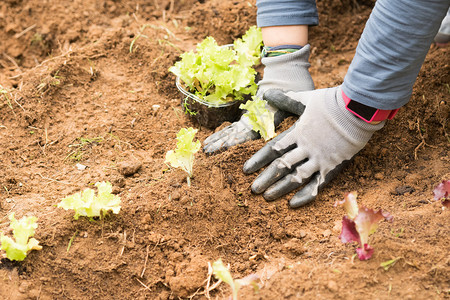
(367, 113)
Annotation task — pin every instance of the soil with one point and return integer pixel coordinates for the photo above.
(88, 86)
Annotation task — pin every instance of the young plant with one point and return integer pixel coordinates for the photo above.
(88, 204)
(359, 224)
(219, 75)
(442, 192)
(183, 155)
(221, 272)
(261, 119)
(23, 230)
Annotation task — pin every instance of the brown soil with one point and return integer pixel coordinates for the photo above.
(77, 95)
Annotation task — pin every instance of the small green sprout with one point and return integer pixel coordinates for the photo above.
(221, 272)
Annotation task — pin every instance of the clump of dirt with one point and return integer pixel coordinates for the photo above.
(89, 98)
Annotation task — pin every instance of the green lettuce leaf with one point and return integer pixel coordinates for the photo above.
(88, 204)
(261, 119)
(219, 74)
(183, 156)
(23, 230)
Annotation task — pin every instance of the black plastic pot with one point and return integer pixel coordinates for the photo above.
(204, 113)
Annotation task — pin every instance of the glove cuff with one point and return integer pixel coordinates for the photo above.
(355, 128)
(288, 72)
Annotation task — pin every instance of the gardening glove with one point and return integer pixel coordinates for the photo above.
(314, 150)
(288, 72)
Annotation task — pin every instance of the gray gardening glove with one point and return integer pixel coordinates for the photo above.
(288, 72)
(314, 150)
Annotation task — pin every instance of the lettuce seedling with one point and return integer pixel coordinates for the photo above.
(221, 272)
(219, 74)
(261, 119)
(88, 204)
(442, 192)
(183, 156)
(359, 224)
(23, 230)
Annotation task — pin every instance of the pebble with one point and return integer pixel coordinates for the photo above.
(327, 233)
(332, 286)
(128, 168)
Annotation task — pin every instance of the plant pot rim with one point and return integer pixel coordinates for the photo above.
(194, 97)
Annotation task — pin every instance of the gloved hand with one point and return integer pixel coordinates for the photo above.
(288, 72)
(313, 150)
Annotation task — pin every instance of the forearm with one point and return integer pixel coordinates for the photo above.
(285, 35)
(391, 51)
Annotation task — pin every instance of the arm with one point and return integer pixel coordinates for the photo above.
(391, 51)
(387, 60)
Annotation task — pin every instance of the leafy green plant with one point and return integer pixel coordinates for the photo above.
(221, 272)
(218, 74)
(23, 243)
(261, 119)
(88, 204)
(359, 224)
(183, 156)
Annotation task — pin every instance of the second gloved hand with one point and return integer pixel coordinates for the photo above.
(288, 72)
(313, 150)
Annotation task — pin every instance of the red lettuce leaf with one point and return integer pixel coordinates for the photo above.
(442, 190)
(364, 253)
(350, 204)
(349, 233)
(367, 222)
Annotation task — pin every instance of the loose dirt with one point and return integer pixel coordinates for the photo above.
(88, 84)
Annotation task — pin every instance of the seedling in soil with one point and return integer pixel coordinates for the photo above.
(221, 272)
(88, 204)
(4, 94)
(359, 224)
(183, 156)
(261, 119)
(23, 243)
(442, 192)
(77, 154)
(386, 265)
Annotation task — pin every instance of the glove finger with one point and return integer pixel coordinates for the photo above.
(294, 180)
(266, 154)
(240, 138)
(271, 174)
(218, 135)
(278, 169)
(214, 146)
(280, 188)
(307, 194)
(283, 102)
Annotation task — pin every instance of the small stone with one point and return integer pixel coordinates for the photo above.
(379, 176)
(176, 196)
(302, 233)
(80, 167)
(401, 190)
(332, 286)
(327, 233)
(128, 168)
(24, 287)
(146, 219)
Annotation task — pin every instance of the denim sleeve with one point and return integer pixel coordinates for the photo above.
(286, 12)
(391, 51)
